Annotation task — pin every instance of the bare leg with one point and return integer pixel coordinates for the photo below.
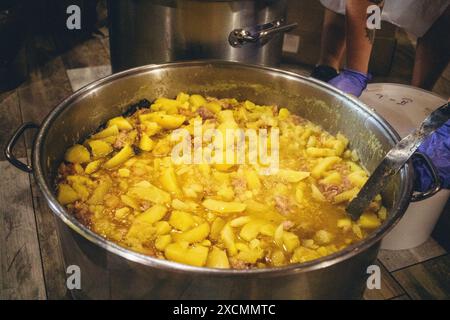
(333, 39)
(359, 38)
(432, 53)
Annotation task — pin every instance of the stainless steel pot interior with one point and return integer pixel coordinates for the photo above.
(80, 114)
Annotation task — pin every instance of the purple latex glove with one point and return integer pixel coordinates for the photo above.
(351, 81)
(437, 148)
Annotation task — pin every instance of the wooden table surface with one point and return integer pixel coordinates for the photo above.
(30, 254)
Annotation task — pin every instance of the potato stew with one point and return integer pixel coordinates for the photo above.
(123, 184)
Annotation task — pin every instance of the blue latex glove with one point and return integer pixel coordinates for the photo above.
(437, 147)
(351, 81)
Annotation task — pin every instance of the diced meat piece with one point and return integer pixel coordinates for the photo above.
(121, 140)
(81, 212)
(225, 104)
(145, 205)
(287, 224)
(65, 169)
(140, 129)
(342, 168)
(274, 109)
(81, 207)
(149, 250)
(238, 264)
(186, 112)
(346, 183)
(297, 119)
(239, 185)
(374, 206)
(330, 191)
(205, 113)
(283, 204)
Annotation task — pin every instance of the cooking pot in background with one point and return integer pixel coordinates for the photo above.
(155, 31)
(111, 271)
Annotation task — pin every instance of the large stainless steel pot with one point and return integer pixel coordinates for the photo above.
(110, 271)
(156, 31)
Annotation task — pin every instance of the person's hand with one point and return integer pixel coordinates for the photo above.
(351, 81)
(437, 148)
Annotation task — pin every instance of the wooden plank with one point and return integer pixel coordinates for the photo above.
(389, 287)
(92, 262)
(394, 260)
(21, 269)
(428, 280)
(86, 54)
(82, 76)
(51, 251)
(10, 120)
(47, 86)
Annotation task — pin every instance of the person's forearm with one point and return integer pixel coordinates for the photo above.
(359, 37)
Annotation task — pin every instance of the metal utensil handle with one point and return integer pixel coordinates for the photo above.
(240, 37)
(395, 160)
(9, 150)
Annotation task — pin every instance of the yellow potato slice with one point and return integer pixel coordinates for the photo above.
(108, 132)
(123, 155)
(66, 194)
(292, 175)
(100, 148)
(224, 207)
(150, 193)
(166, 121)
(121, 123)
(195, 256)
(152, 215)
(217, 258)
(197, 234)
(181, 220)
(77, 154)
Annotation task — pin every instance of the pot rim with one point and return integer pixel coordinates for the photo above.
(347, 253)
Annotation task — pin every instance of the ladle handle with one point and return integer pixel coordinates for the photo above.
(395, 160)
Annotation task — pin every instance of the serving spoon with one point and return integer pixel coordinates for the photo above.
(395, 159)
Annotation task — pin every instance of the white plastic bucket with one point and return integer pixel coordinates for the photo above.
(405, 107)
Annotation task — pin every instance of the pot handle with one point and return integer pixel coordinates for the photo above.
(261, 33)
(435, 187)
(11, 144)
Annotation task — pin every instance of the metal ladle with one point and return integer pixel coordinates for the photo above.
(395, 159)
